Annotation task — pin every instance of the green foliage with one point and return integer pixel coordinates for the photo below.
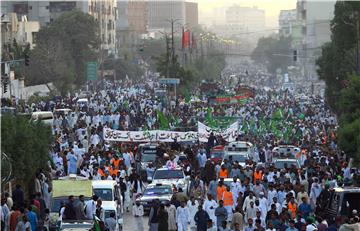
(26, 144)
(266, 50)
(349, 113)
(62, 50)
(338, 59)
(349, 138)
(192, 73)
(125, 67)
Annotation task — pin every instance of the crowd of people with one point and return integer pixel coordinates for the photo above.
(259, 197)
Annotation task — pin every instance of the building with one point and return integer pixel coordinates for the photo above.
(105, 12)
(315, 17)
(251, 18)
(160, 12)
(42, 11)
(191, 14)
(23, 31)
(287, 19)
(131, 24)
(45, 12)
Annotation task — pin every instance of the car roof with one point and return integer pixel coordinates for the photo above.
(108, 205)
(170, 169)
(240, 143)
(103, 183)
(154, 185)
(348, 189)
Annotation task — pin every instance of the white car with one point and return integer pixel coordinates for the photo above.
(286, 151)
(162, 192)
(239, 151)
(171, 176)
(280, 163)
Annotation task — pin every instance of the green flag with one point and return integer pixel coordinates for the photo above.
(209, 120)
(278, 115)
(163, 121)
(187, 96)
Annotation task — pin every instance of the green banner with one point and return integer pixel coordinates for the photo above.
(91, 71)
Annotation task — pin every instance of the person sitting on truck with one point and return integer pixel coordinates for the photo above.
(69, 213)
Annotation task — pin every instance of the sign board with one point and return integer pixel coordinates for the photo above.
(91, 71)
(169, 81)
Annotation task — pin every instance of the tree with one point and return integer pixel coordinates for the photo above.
(338, 59)
(27, 146)
(349, 114)
(62, 50)
(267, 49)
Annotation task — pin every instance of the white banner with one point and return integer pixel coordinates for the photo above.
(229, 134)
(148, 136)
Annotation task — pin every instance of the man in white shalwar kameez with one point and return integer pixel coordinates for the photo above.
(193, 205)
(182, 217)
(209, 206)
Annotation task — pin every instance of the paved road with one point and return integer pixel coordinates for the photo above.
(132, 223)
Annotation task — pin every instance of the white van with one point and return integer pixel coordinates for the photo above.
(239, 151)
(45, 116)
(107, 191)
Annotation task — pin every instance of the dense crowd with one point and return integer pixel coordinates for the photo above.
(260, 197)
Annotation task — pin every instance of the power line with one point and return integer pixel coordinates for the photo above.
(278, 28)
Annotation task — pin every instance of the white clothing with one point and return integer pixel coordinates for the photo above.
(211, 211)
(182, 218)
(192, 210)
(138, 210)
(90, 208)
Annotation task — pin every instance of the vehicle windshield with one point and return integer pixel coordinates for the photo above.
(148, 158)
(108, 212)
(218, 154)
(103, 193)
(350, 202)
(237, 149)
(159, 190)
(281, 164)
(238, 158)
(168, 174)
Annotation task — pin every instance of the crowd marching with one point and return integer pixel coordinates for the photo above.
(260, 196)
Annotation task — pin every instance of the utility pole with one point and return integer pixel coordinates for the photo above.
(167, 56)
(357, 45)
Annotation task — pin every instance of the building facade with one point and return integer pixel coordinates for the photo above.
(131, 24)
(287, 20)
(315, 18)
(161, 12)
(251, 18)
(105, 13)
(45, 12)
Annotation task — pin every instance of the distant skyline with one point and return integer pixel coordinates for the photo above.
(271, 7)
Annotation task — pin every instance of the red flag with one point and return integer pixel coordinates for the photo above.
(185, 39)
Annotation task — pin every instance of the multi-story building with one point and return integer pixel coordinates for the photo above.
(160, 12)
(287, 19)
(251, 18)
(47, 11)
(191, 14)
(105, 12)
(315, 17)
(42, 11)
(131, 23)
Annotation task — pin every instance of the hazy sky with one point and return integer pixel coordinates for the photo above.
(271, 7)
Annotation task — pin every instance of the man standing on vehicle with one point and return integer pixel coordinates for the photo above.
(80, 208)
(90, 207)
